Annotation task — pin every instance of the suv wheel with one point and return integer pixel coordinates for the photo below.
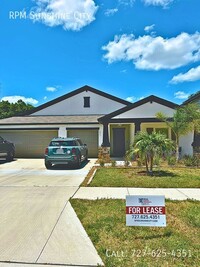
(48, 165)
(10, 156)
(78, 162)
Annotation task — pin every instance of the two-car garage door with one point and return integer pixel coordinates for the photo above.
(32, 143)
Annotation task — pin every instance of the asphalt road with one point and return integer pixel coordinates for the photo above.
(37, 223)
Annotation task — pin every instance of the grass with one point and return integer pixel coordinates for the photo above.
(136, 177)
(122, 246)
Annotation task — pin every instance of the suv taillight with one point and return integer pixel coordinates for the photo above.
(46, 151)
(73, 151)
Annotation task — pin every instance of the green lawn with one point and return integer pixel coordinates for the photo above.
(136, 177)
(122, 246)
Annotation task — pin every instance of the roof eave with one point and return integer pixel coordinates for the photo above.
(137, 104)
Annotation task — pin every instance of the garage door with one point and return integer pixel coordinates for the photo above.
(30, 143)
(89, 137)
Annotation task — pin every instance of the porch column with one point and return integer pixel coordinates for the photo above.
(137, 127)
(106, 142)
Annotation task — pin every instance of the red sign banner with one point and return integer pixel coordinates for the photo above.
(145, 210)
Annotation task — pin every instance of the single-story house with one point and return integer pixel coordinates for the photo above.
(98, 118)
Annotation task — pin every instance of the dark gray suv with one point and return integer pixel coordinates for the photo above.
(7, 149)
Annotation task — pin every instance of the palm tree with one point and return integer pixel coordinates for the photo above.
(149, 146)
(185, 120)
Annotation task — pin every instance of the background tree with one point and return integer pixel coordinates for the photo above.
(192, 96)
(185, 119)
(8, 109)
(149, 146)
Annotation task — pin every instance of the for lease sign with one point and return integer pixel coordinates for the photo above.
(145, 211)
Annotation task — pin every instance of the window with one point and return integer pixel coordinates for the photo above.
(63, 143)
(86, 102)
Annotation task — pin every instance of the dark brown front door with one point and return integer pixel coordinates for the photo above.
(118, 142)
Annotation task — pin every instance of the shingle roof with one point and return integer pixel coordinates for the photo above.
(26, 120)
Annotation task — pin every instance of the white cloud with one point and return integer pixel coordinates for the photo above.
(142, 97)
(111, 12)
(51, 89)
(134, 99)
(70, 14)
(123, 71)
(181, 95)
(15, 98)
(131, 98)
(190, 76)
(45, 97)
(163, 3)
(154, 53)
(126, 2)
(149, 28)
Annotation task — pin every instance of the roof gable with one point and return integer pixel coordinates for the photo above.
(76, 92)
(193, 98)
(149, 99)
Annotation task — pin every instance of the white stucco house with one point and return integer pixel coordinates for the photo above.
(98, 118)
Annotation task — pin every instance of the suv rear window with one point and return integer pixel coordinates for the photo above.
(63, 143)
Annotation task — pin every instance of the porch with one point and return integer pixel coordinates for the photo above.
(119, 136)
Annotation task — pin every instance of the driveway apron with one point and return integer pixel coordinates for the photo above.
(37, 223)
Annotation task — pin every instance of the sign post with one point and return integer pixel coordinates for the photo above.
(145, 211)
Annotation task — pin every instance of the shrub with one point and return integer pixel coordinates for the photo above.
(140, 162)
(127, 159)
(191, 161)
(102, 162)
(188, 161)
(171, 160)
(126, 163)
(113, 163)
(157, 161)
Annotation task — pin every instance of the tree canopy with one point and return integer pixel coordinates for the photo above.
(8, 109)
(192, 95)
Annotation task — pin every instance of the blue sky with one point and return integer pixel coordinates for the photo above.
(128, 48)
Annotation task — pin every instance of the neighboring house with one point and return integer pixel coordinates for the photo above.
(98, 118)
(195, 98)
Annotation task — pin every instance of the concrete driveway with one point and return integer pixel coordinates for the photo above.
(32, 172)
(37, 223)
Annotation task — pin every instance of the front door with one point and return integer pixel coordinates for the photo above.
(118, 142)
